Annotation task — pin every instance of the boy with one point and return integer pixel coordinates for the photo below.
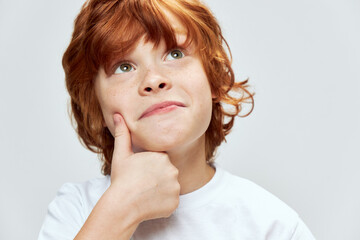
(147, 79)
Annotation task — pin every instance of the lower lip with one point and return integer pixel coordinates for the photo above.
(161, 110)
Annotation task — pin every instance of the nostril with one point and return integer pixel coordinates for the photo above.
(148, 89)
(162, 85)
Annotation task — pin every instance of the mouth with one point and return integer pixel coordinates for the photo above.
(162, 107)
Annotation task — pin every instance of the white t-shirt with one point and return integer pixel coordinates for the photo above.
(227, 207)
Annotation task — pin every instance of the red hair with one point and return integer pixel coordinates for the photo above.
(105, 29)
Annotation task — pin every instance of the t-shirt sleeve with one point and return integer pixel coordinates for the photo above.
(302, 232)
(65, 215)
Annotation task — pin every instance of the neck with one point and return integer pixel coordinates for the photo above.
(190, 160)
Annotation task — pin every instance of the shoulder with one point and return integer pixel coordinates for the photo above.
(71, 206)
(84, 194)
(254, 197)
(260, 209)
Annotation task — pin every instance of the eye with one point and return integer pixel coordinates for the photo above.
(175, 54)
(123, 68)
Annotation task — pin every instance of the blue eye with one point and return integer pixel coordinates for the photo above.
(123, 68)
(175, 54)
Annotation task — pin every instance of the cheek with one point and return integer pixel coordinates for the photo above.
(110, 98)
(201, 97)
(112, 93)
(116, 100)
(197, 78)
(199, 88)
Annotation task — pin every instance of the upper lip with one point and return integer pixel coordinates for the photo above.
(161, 105)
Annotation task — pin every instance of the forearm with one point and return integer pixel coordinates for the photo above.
(113, 217)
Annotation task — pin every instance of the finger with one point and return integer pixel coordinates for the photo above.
(122, 139)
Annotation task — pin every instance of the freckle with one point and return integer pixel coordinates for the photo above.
(111, 92)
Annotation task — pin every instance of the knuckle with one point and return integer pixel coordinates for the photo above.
(175, 203)
(178, 188)
(172, 176)
(157, 156)
(176, 191)
(174, 172)
(164, 157)
(119, 133)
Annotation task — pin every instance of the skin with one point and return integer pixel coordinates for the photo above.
(158, 157)
(153, 75)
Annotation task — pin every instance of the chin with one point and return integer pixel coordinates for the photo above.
(166, 142)
(158, 143)
(165, 136)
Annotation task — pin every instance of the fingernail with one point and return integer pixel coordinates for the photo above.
(117, 119)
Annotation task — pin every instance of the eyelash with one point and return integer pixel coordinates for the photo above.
(117, 66)
(176, 49)
(124, 62)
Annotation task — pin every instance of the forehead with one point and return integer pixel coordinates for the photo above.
(122, 30)
(175, 23)
(178, 29)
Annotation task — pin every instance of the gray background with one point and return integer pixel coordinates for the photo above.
(301, 142)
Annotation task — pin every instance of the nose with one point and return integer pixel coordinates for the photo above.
(154, 81)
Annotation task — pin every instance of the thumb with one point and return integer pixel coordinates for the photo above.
(122, 139)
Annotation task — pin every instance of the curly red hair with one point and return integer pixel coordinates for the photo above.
(105, 29)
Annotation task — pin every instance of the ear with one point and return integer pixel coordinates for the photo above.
(213, 96)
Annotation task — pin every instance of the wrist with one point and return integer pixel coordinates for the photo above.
(111, 218)
(123, 206)
(119, 218)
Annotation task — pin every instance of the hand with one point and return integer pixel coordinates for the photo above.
(148, 177)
